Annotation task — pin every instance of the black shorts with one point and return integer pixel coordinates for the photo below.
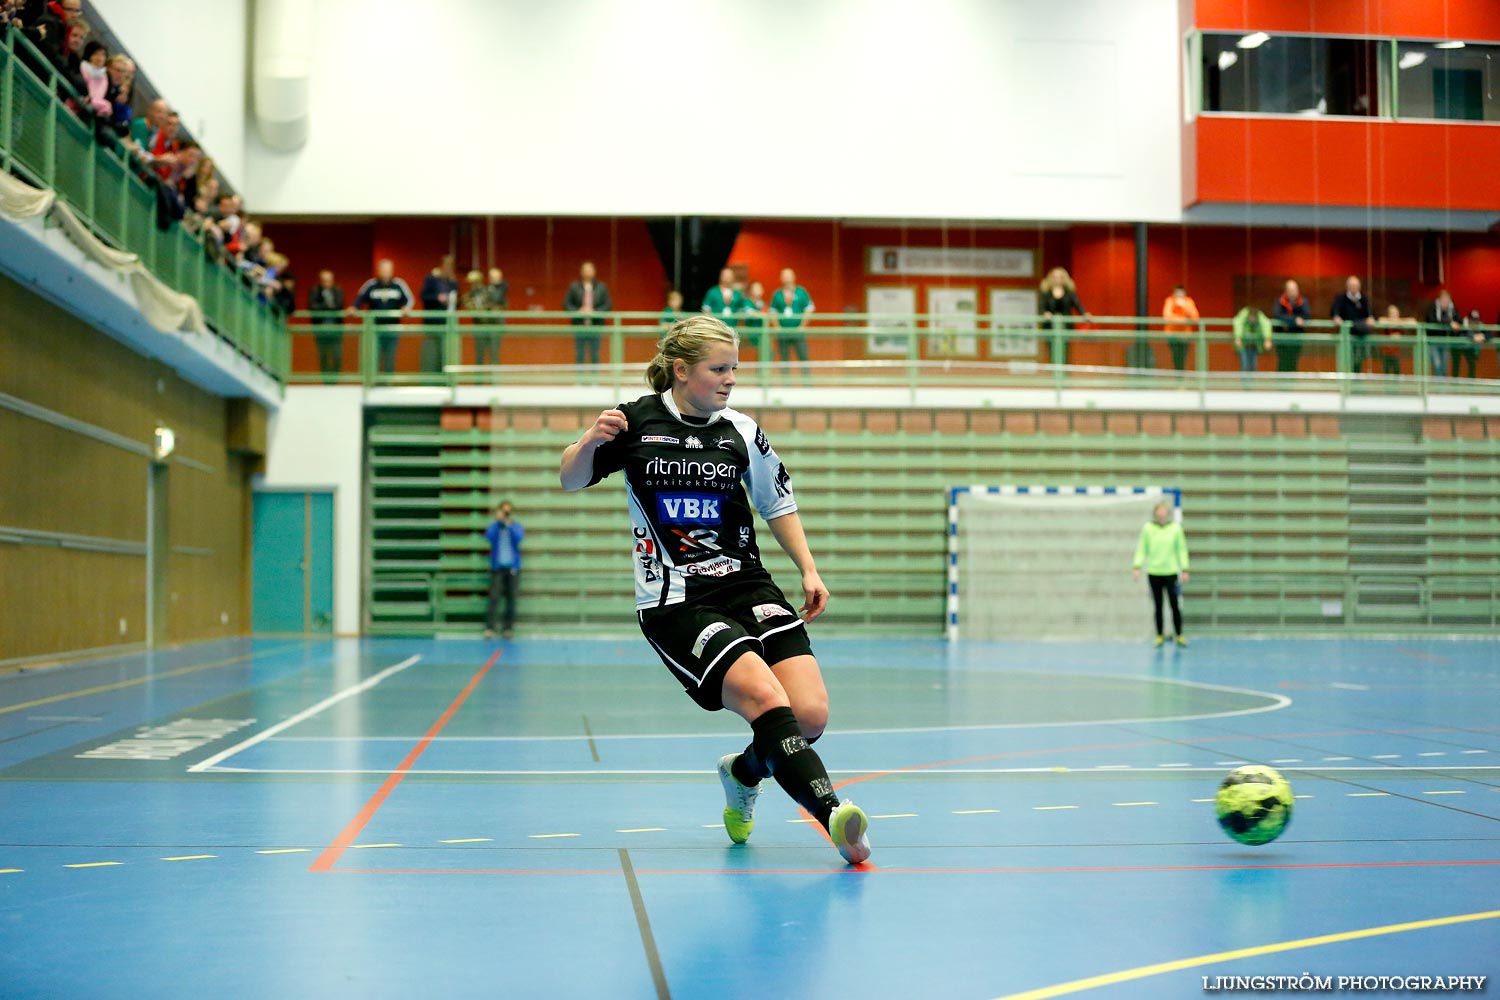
(700, 640)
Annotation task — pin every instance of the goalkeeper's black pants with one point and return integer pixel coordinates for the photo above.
(1166, 585)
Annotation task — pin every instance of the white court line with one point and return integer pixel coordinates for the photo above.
(304, 715)
(1277, 702)
(905, 771)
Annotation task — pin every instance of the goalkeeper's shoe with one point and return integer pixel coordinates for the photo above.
(1181, 641)
(848, 827)
(1160, 640)
(739, 801)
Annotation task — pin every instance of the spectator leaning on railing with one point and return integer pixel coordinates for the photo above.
(1181, 312)
(1351, 307)
(1292, 312)
(480, 298)
(1056, 302)
(790, 305)
(1252, 334)
(724, 301)
(327, 297)
(1442, 322)
(1392, 326)
(588, 297)
(391, 296)
(1477, 336)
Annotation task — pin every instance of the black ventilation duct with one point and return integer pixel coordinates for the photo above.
(693, 251)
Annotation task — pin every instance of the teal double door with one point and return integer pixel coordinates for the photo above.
(291, 587)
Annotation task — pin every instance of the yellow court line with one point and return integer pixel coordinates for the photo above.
(973, 812)
(644, 829)
(361, 847)
(1134, 803)
(95, 864)
(191, 857)
(713, 826)
(467, 840)
(117, 685)
(1449, 791)
(550, 836)
(1366, 795)
(286, 850)
(8, 871)
(892, 815)
(1093, 982)
(1205, 800)
(1045, 808)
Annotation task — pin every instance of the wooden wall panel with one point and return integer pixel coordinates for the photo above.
(205, 582)
(56, 480)
(54, 600)
(57, 600)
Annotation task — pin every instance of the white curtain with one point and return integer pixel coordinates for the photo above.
(164, 309)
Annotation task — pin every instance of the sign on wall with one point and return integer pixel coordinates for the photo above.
(893, 312)
(954, 319)
(951, 261)
(1013, 337)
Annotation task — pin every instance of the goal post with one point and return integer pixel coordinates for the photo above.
(1032, 562)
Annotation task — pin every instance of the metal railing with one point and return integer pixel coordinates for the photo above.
(46, 144)
(920, 351)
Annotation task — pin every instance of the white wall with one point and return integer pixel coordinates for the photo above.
(316, 439)
(194, 53)
(1014, 109)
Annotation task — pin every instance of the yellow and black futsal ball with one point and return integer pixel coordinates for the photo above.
(1254, 804)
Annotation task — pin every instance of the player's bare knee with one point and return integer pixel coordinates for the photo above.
(812, 716)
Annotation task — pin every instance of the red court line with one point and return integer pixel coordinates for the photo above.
(335, 850)
(849, 870)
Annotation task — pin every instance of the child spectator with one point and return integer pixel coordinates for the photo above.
(96, 78)
(1393, 325)
(673, 310)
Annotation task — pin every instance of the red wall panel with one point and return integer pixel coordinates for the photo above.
(1473, 20)
(1381, 164)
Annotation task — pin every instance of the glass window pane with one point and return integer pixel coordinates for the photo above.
(1290, 74)
(1449, 80)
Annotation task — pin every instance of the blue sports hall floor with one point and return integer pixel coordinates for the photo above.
(539, 818)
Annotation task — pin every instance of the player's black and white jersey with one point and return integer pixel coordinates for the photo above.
(694, 488)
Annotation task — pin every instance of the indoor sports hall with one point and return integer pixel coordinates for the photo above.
(402, 408)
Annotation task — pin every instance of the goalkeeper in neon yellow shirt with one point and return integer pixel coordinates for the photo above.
(1163, 551)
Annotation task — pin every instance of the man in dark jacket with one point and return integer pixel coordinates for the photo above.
(1350, 306)
(392, 296)
(588, 298)
(1292, 313)
(328, 297)
(439, 295)
(1441, 320)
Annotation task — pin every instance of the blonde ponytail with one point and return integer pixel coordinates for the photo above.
(688, 341)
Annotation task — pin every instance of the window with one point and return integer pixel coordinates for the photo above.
(1448, 80)
(1292, 74)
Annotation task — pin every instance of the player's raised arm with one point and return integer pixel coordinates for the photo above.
(578, 460)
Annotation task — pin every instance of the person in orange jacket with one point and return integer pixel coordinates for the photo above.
(1179, 307)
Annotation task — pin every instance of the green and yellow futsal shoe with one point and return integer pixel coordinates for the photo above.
(739, 802)
(1159, 641)
(848, 827)
(1181, 641)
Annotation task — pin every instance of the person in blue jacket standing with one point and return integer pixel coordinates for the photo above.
(504, 535)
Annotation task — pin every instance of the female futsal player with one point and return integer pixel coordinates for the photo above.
(694, 469)
(1163, 548)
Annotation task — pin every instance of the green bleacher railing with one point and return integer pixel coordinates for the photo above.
(919, 351)
(43, 142)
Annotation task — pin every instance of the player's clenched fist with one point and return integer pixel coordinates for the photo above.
(606, 428)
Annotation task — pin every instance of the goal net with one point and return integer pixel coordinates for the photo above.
(1048, 562)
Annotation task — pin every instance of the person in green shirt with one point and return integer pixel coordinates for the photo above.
(1163, 551)
(755, 318)
(788, 306)
(1252, 334)
(724, 301)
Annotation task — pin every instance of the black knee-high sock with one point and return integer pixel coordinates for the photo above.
(748, 768)
(779, 748)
